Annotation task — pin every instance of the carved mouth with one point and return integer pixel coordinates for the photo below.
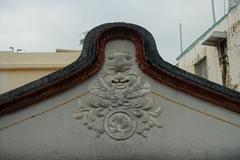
(120, 84)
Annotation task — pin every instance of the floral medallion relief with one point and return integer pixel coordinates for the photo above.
(118, 103)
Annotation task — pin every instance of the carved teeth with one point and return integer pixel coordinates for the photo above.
(120, 81)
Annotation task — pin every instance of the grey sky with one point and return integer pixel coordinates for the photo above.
(44, 25)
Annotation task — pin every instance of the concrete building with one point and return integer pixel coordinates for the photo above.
(215, 55)
(19, 68)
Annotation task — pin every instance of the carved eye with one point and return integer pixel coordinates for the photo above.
(112, 70)
(125, 69)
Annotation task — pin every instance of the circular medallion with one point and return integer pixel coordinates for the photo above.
(120, 124)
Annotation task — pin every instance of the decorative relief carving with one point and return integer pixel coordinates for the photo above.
(118, 103)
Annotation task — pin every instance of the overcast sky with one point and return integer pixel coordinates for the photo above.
(44, 25)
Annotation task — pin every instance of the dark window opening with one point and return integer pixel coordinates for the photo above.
(201, 68)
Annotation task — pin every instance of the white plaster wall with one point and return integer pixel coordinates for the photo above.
(191, 129)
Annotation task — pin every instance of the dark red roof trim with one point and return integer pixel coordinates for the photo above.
(92, 58)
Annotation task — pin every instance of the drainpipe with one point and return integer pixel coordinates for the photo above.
(224, 63)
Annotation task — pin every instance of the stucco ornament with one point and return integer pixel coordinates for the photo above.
(118, 104)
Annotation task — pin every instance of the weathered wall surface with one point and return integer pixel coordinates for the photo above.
(190, 128)
(230, 25)
(233, 31)
(197, 53)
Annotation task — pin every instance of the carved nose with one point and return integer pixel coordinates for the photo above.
(118, 76)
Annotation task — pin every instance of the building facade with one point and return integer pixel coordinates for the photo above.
(19, 68)
(215, 55)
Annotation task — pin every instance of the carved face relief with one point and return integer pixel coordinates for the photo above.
(118, 104)
(119, 72)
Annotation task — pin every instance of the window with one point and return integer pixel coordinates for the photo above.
(201, 68)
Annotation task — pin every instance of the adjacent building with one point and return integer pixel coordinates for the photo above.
(19, 68)
(215, 55)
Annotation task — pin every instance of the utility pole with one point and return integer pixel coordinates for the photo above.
(180, 32)
(213, 12)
